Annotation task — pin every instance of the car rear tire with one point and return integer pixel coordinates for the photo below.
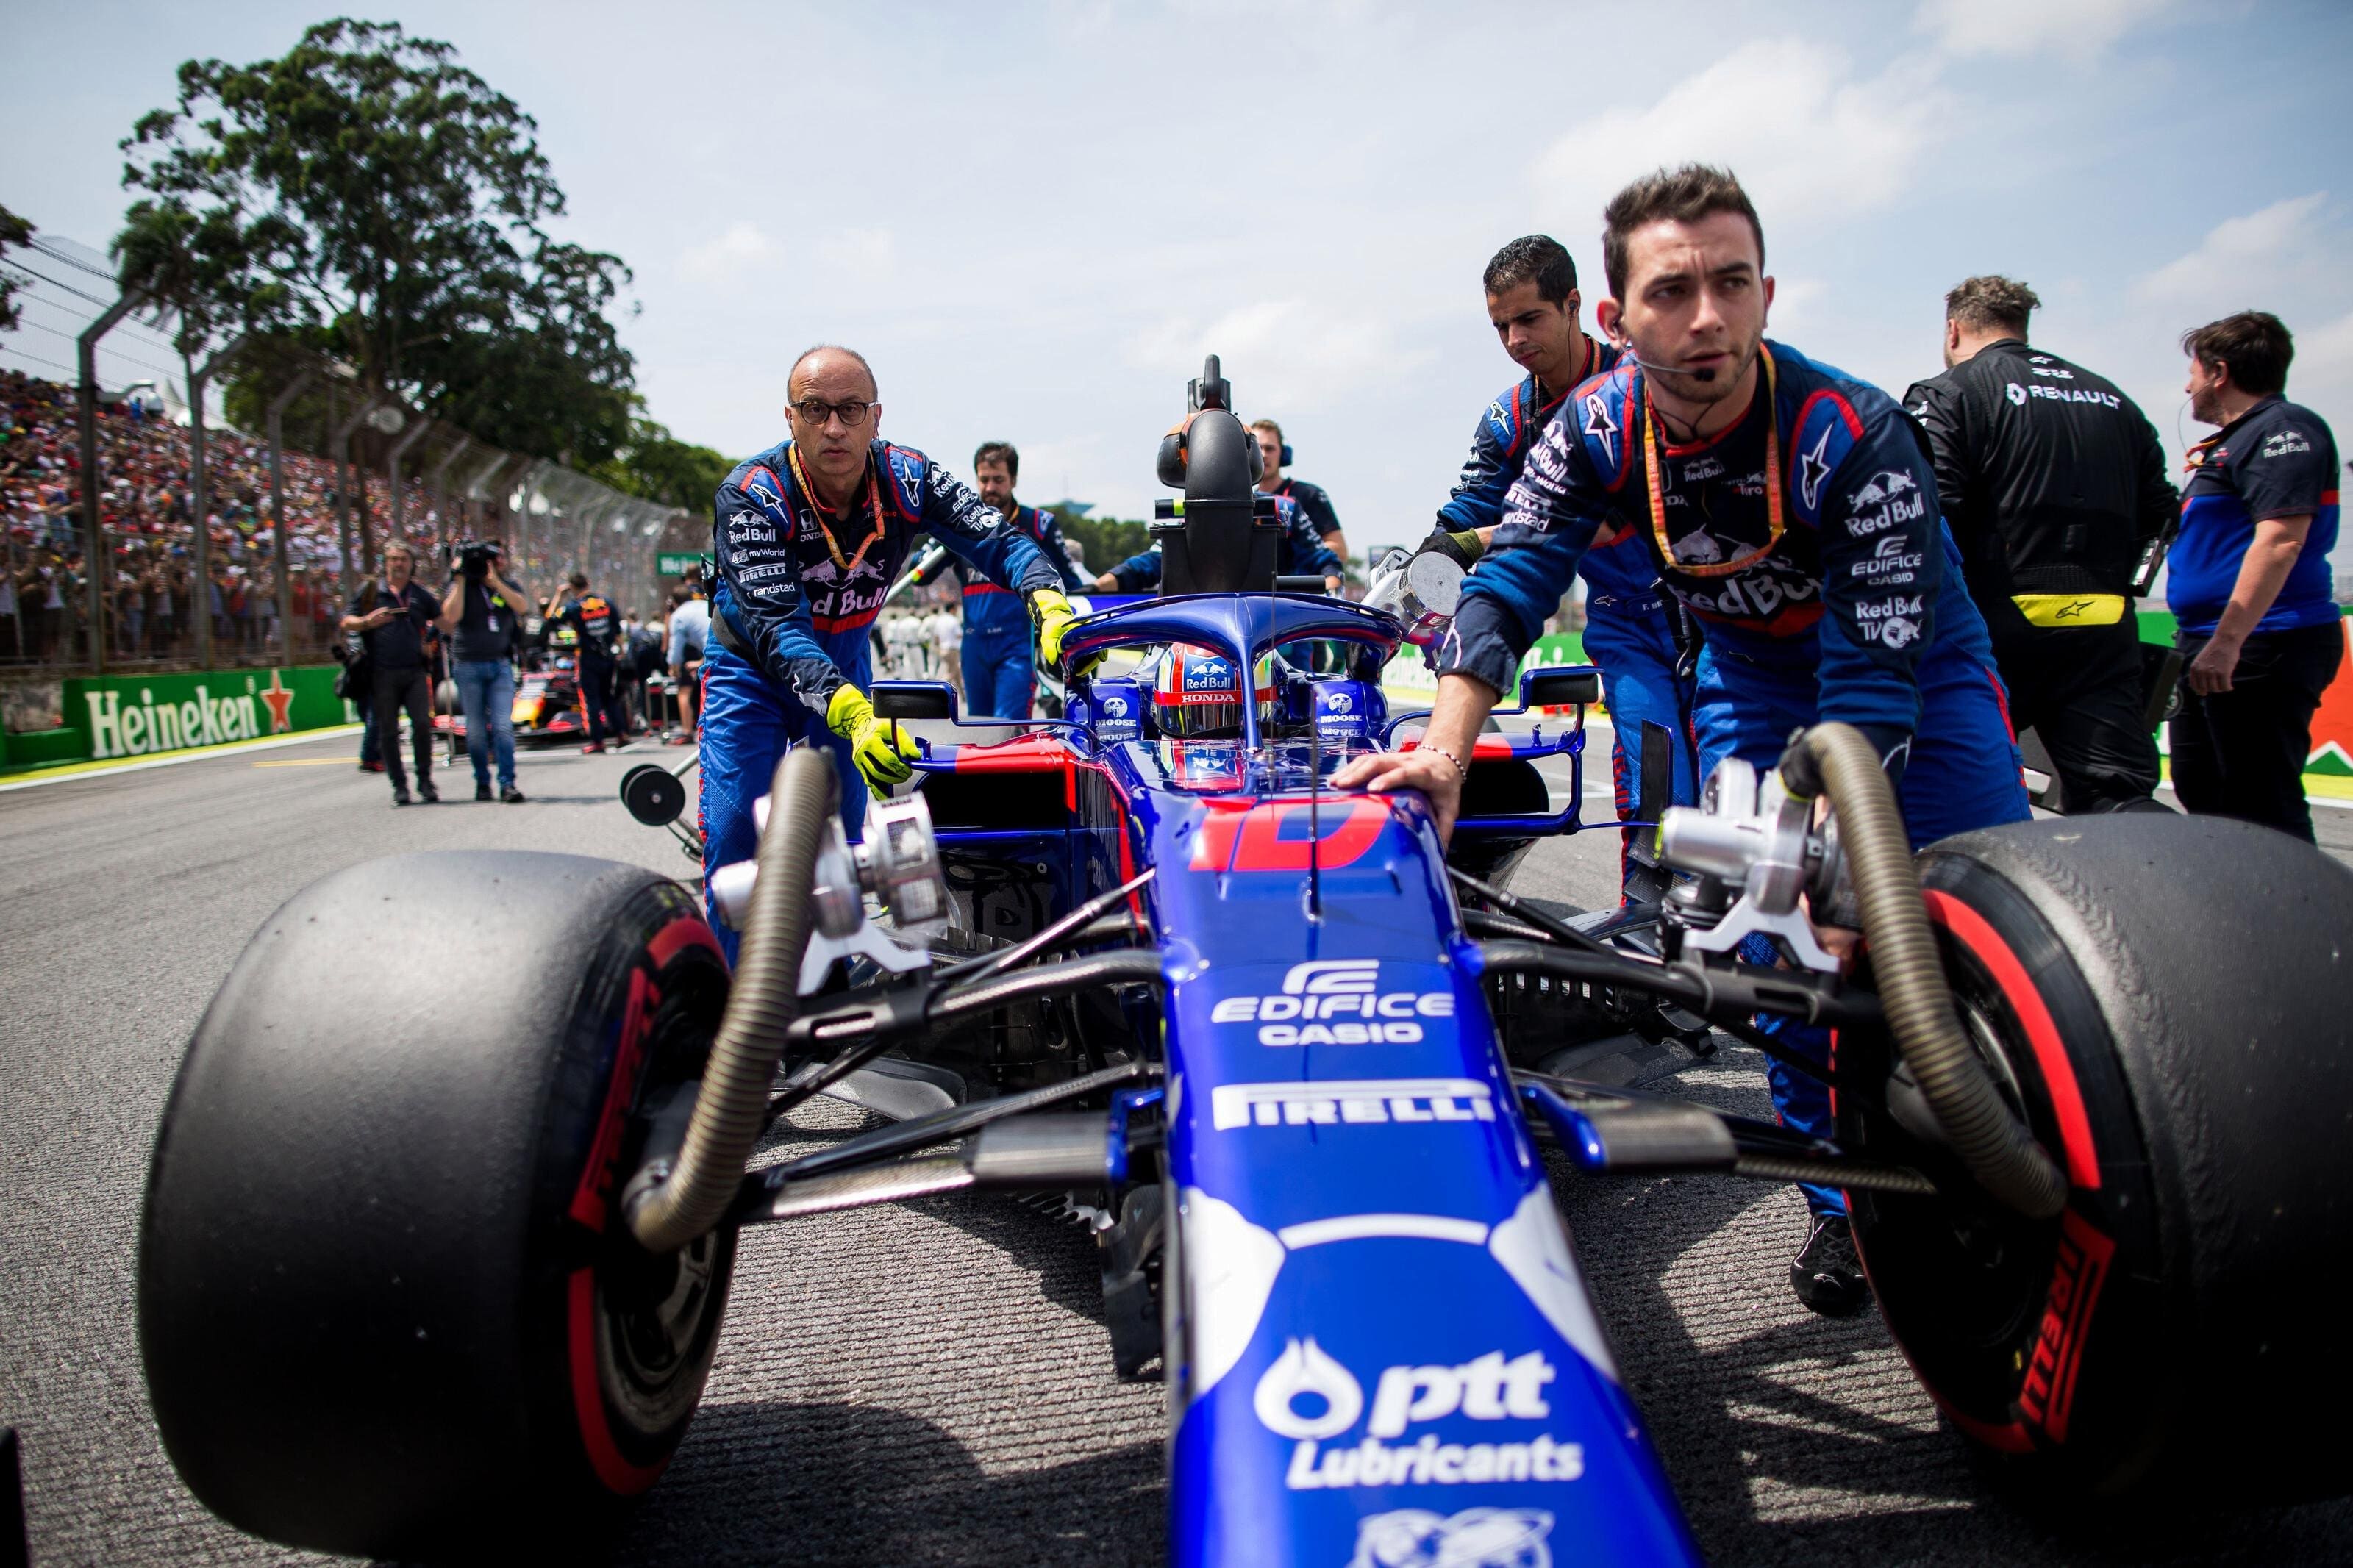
(386, 1302)
(2169, 1000)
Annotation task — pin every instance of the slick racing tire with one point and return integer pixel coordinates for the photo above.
(387, 1304)
(2169, 1001)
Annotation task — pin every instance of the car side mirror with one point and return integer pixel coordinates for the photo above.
(1560, 686)
(908, 700)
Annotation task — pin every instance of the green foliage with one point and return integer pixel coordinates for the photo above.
(659, 466)
(1108, 540)
(367, 195)
(15, 232)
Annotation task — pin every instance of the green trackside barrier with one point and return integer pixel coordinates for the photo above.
(142, 715)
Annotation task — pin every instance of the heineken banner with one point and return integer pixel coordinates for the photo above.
(139, 715)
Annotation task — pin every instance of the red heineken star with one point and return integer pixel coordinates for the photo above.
(280, 699)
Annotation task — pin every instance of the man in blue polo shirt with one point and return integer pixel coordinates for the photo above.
(2248, 579)
(1000, 676)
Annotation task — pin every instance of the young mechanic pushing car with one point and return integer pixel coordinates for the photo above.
(1794, 510)
(1531, 285)
(809, 535)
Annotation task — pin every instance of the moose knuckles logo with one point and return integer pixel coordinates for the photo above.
(1319, 992)
(1308, 1397)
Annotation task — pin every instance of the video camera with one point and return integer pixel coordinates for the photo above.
(476, 557)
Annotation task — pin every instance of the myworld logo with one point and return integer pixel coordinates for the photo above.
(1323, 991)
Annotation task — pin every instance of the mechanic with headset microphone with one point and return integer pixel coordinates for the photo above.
(1764, 484)
(1311, 499)
(2054, 486)
(1000, 676)
(1630, 631)
(810, 536)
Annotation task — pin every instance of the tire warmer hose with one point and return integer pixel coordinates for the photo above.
(732, 1106)
(1997, 1149)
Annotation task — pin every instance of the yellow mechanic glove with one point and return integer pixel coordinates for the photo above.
(878, 746)
(1053, 615)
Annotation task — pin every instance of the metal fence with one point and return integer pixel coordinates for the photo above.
(296, 515)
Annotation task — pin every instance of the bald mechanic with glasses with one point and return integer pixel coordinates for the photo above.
(809, 535)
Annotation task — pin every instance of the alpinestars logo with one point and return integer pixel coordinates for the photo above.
(1813, 467)
(1601, 427)
(1307, 1397)
(1323, 991)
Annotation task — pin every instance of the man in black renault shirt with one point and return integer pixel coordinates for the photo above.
(2053, 484)
(393, 613)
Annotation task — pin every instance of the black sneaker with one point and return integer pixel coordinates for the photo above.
(1826, 1274)
(511, 795)
(426, 791)
(400, 795)
(482, 792)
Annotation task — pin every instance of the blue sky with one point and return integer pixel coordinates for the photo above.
(1036, 218)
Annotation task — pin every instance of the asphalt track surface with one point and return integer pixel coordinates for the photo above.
(926, 1383)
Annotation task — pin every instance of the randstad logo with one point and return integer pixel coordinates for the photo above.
(150, 726)
(1307, 1397)
(1324, 990)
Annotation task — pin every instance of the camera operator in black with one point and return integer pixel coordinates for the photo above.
(2054, 486)
(485, 608)
(394, 614)
(589, 614)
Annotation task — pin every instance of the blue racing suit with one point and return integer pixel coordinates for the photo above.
(1629, 629)
(1854, 610)
(1000, 668)
(797, 589)
(1299, 551)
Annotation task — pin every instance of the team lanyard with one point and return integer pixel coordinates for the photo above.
(819, 509)
(1772, 484)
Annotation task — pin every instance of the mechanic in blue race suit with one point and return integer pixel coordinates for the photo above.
(1794, 510)
(1315, 502)
(1299, 552)
(1630, 631)
(1000, 676)
(808, 536)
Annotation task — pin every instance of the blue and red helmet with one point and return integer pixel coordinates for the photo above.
(1198, 693)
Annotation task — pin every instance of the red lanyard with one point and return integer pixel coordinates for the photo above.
(820, 509)
(1774, 524)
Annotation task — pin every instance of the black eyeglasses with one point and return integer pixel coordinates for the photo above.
(817, 411)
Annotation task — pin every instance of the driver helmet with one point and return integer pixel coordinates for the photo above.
(1198, 693)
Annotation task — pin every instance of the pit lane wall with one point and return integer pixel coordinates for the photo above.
(122, 716)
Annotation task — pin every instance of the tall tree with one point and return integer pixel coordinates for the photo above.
(14, 232)
(369, 196)
(659, 466)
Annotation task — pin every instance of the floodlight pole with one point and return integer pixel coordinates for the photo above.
(278, 505)
(341, 452)
(201, 594)
(93, 545)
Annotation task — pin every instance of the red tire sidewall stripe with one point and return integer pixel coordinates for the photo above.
(1973, 931)
(612, 1467)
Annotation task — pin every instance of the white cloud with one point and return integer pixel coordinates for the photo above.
(2076, 28)
(860, 249)
(1810, 137)
(2240, 254)
(739, 249)
(1291, 353)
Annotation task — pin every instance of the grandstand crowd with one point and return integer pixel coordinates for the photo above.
(151, 594)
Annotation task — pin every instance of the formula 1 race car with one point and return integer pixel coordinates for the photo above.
(432, 1261)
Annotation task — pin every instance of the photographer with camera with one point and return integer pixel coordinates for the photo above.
(394, 616)
(484, 608)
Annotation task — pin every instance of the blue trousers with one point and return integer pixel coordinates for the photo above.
(748, 725)
(1963, 773)
(1637, 657)
(1000, 676)
(486, 690)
